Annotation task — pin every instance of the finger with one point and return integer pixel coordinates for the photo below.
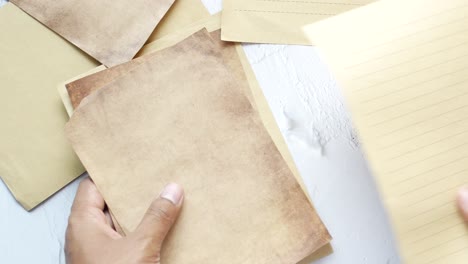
(88, 202)
(160, 216)
(109, 220)
(87, 217)
(462, 200)
(88, 196)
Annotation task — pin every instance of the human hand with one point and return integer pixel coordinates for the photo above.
(462, 200)
(91, 238)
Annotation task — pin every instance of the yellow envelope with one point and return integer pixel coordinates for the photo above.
(36, 160)
(182, 14)
(404, 72)
(277, 21)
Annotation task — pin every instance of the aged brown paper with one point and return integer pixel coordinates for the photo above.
(111, 31)
(62, 90)
(184, 16)
(36, 160)
(239, 64)
(192, 125)
(79, 89)
(278, 21)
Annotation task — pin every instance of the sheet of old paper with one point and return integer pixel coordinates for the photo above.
(277, 21)
(239, 64)
(111, 31)
(239, 190)
(404, 72)
(255, 93)
(62, 89)
(183, 19)
(83, 86)
(35, 158)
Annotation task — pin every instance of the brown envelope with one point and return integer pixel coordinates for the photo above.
(35, 158)
(180, 122)
(111, 31)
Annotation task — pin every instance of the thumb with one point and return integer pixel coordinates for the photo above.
(462, 200)
(160, 216)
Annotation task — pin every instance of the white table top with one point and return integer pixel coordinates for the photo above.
(308, 107)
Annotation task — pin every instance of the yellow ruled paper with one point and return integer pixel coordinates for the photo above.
(403, 66)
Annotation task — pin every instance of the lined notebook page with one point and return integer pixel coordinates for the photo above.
(278, 21)
(403, 66)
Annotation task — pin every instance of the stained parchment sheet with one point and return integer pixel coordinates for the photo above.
(133, 139)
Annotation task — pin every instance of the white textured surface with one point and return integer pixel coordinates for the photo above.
(297, 83)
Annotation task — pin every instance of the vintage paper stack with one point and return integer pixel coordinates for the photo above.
(404, 72)
(213, 143)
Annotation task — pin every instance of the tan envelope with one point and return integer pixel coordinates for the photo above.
(182, 14)
(277, 21)
(35, 157)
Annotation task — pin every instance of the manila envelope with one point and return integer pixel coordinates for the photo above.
(111, 31)
(35, 158)
(278, 21)
(190, 124)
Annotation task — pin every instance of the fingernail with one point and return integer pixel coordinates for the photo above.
(463, 201)
(173, 193)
